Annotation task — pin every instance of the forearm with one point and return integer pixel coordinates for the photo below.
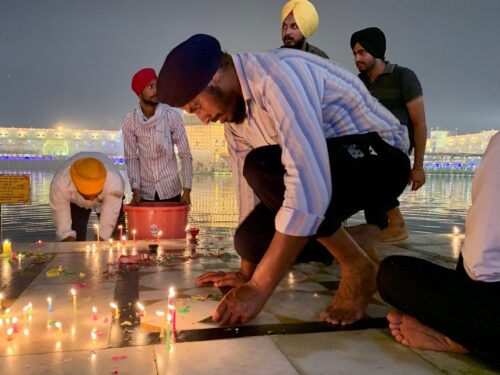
(281, 254)
(420, 137)
(417, 116)
(134, 173)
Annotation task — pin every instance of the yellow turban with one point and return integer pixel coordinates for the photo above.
(305, 15)
(88, 175)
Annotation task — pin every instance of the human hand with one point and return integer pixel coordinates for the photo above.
(186, 198)
(69, 239)
(221, 279)
(417, 178)
(240, 305)
(136, 196)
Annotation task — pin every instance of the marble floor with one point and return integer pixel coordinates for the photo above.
(84, 334)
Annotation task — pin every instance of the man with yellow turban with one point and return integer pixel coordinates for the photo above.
(299, 21)
(87, 181)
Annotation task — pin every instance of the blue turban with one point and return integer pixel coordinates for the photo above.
(188, 69)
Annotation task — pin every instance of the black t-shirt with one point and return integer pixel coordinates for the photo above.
(395, 87)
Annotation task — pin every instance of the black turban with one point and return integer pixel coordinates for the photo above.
(372, 40)
(188, 69)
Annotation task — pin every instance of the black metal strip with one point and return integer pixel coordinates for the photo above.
(125, 329)
(221, 333)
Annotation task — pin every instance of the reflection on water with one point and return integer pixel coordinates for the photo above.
(439, 205)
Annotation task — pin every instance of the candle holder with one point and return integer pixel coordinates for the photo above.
(193, 232)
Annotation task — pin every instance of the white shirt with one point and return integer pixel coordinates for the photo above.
(298, 100)
(152, 167)
(108, 203)
(481, 249)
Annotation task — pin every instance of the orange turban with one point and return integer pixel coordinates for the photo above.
(88, 175)
(305, 15)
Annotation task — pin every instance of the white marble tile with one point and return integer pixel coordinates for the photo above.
(77, 325)
(246, 356)
(351, 352)
(139, 360)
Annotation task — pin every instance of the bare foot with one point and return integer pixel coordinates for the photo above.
(410, 332)
(396, 230)
(355, 290)
(394, 233)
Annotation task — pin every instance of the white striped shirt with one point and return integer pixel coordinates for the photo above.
(298, 100)
(152, 168)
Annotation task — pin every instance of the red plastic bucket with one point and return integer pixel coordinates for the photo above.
(148, 218)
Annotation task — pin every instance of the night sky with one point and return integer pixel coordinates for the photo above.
(69, 62)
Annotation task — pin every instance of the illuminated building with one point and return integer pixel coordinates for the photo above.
(442, 142)
(445, 153)
(207, 143)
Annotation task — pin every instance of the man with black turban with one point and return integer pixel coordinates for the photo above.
(399, 90)
(300, 20)
(315, 148)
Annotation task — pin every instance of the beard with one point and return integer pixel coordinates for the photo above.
(151, 102)
(290, 42)
(365, 66)
(229, 102)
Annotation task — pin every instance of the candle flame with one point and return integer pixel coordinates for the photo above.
(14, 320)
(134, 231)
(9, 331)
(49, 300)
(171, 292)
(93, 335)
(94, 309)
(160, 313)
(113, 305)
(120, 226)
(140, 306)
(58, 325)
(73, 292)
(169, 317)
(26, 332)
(456, 231)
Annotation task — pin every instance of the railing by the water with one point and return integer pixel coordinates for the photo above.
(451, 163)
(433, 164)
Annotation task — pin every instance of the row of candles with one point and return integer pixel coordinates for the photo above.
(122, 237)
(7, 245)
(170, 323)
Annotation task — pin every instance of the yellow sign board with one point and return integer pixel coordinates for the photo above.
(15, 189)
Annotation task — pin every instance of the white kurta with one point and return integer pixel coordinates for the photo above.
(108, 203)
(481, 250)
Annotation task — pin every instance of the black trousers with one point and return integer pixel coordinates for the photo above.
(447, 300)
(177, 198)
(80, 221)
(366, 172)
